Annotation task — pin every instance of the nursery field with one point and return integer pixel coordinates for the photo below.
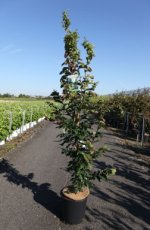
(32, 176)
(16, 114)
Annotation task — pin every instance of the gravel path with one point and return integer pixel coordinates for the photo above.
(32, 176)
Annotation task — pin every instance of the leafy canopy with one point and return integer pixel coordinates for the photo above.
(76, 114)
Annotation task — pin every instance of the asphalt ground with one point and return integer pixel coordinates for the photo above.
(32, 175)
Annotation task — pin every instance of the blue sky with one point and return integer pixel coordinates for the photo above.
(32, 49)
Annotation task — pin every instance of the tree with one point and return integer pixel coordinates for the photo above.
(75, 115)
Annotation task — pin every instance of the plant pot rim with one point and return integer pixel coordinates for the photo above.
(79, 196)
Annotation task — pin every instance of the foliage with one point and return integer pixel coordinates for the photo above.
(33, 111)
(114, 114)
(76, 114)
(116, 106)
(6, 95)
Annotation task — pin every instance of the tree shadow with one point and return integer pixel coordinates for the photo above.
(145, 150)
(101, 165)
(130, 154)
(42, 193)
(108, 221)
(130, 193)
(124, 202)
(132, 199)
(129, 197)
(134, 146)
(115, 133)
(126, 168)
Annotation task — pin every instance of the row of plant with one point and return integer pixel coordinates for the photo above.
(120, 109)
(13, 115)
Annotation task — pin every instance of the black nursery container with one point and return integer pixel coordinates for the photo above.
(73, 211)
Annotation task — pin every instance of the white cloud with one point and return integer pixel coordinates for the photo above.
(15, 51)
(10, 49)
(7, 48)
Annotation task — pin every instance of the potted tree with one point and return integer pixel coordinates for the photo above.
(81, 128)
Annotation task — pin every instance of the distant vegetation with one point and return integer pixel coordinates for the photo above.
(122, 108)
(6, 95)
(14, 114)
(21, 96)
(114, 110)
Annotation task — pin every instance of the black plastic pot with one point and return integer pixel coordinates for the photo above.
(73, 211)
